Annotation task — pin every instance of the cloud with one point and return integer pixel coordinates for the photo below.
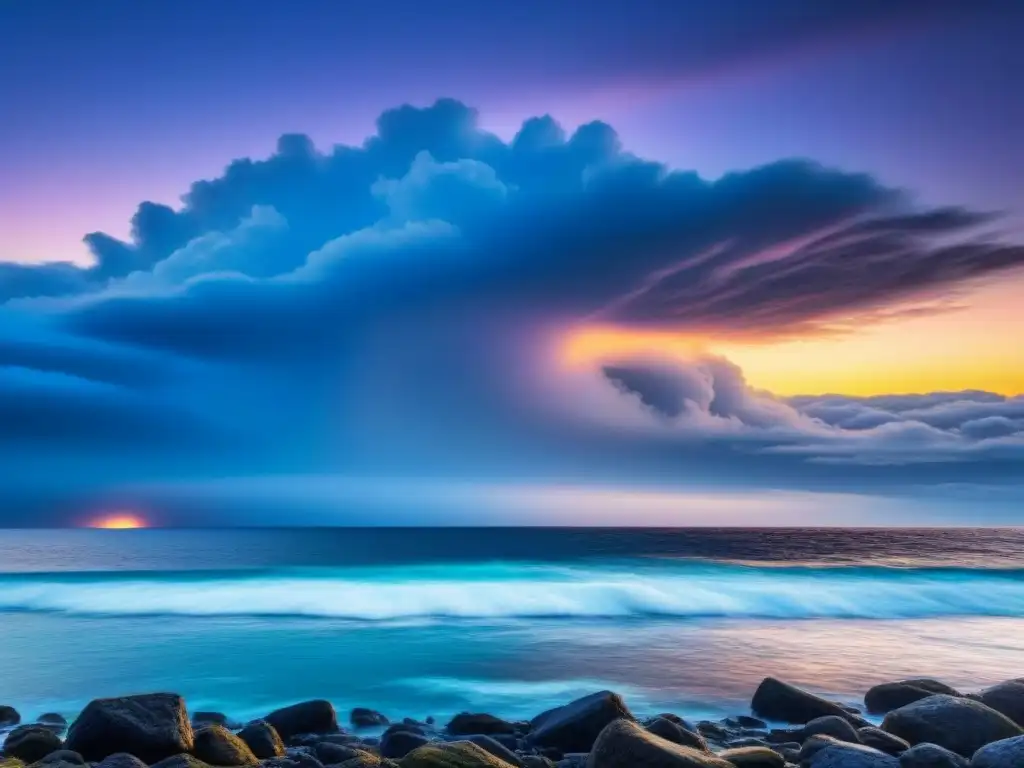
(391, 306)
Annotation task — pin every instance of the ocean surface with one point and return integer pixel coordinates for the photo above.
(418, 622)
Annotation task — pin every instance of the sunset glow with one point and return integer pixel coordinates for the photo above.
(118, 521)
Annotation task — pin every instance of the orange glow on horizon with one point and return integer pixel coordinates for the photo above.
(119, 521)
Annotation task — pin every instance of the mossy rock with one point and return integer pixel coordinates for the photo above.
(454, 754)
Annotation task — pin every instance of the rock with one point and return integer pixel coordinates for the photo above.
(931, 756)
(889, 696)
(537, 761)
(675, 733)
(121, 760)
(466, 723)
(11, 762)
(333, 754)
(31, 743)
(214, 718)
(1005, 753)
(152, 726)
(677, 720)
(180, 761)
(361, 717)
(958, 724)
(712, 731)
(831, 725)
(746, 741)
(882, 740)
(453, 754)
(9, 716)
(624, 744)
(367, 760)
(1007, 697)
(263, 739)
(746, 721)
(823, 751)
(411, 727)
(575, 727)
(216, 745)
(753, 757)
(295, 759)
(316, 716)
(496, 748)
(777, 700)
(399, 743)
(65, 756)
(54, 721)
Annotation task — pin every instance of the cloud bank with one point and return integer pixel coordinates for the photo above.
(391, 308)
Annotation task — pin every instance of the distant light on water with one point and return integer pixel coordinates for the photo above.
(118, 520)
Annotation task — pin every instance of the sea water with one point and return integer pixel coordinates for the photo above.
(510, 621)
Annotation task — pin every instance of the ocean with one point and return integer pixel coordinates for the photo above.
(429, 622)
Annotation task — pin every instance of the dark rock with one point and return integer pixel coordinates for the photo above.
(332, 754)
(412, 727)
(361, 717)
(294, 759)
(263, 739)
(782, 735)
(958, 724)
(746, 741)
(181, 761)
(745, 721)
(65, 756)
(400, 743)
(214, 718)
(1006, 753)
(316, 716)
(1007, 697)
(508, 740)
(712, 731)
(496, 748)
(31, 743)
(466, 723)
(537, 761)
(790, 750)
(677, 720)
(624, 744)
(216, 745)
(151, 727)
(889, 696)
(121, 760)
(675, 733)
(575, 727)
(9, 716)
(931, 756)
(452, 754)
(828, 752)
(831, 725)
(365, 759)
(882, 740)
(11, 762)
(753, 757)
(777, 700)
(54, 721)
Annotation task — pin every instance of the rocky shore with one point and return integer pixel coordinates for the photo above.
(924, 724)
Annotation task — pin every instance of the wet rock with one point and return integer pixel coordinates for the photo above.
(496, 748)
(677, 720)
(466, 723)
(537, 761)
(712, 731)
(675, 733)
(958, 724)
(214, 718)
(151, 726)
(65, 756)
(777, 700)
(1006, 753)
(361, 717)
(823, 751)
(181, 761)
(121, 760)
(782, 735)
(399, 743)
(11, 762)
(332, 754)
(753, 757)
(575, 727)
(295, 759)
(931, 756)
(263, 739)
(316, 716)
(746, 741)
(1007, 697)
(55, 721)
(365, 759)
(831, 725)
(410, 727)
(882, 740)
(624, 744)
(9, 716)
(31, 743)
(452, 754)
(889, 696)
(746, 721)
(216, 745)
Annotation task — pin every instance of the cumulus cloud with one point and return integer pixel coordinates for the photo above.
(394, 302)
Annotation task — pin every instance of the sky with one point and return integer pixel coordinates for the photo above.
(683, 262)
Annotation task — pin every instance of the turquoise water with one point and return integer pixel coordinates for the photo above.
(513, 623)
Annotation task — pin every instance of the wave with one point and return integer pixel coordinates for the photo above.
(525, 590)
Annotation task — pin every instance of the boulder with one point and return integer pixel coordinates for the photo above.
(316, 716)
(151, 726)
(677, 720)
(675, 733)
(214, 718)
(1007, 698)
(298, 758)
(180, 761)
(329, 753)
(829, 752)
(31, 743)
(889, 696)
(466, 723)
(753, 757)
(777, 700)
(1005, 753)
(746, 721)
(624, 744)
(65, 756)
(263, 739)
(361, 717)
(11, 762)
(54, 721)
(365, 759)
(399, 743)
(931, 756)
(496, 748)
(537, 761)
(831, 725)
(958, 724)
(575, 726)
(121, 760)
(216, 745)
(8, 716)
(410, 726)
(882, 740)
(453, 754)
